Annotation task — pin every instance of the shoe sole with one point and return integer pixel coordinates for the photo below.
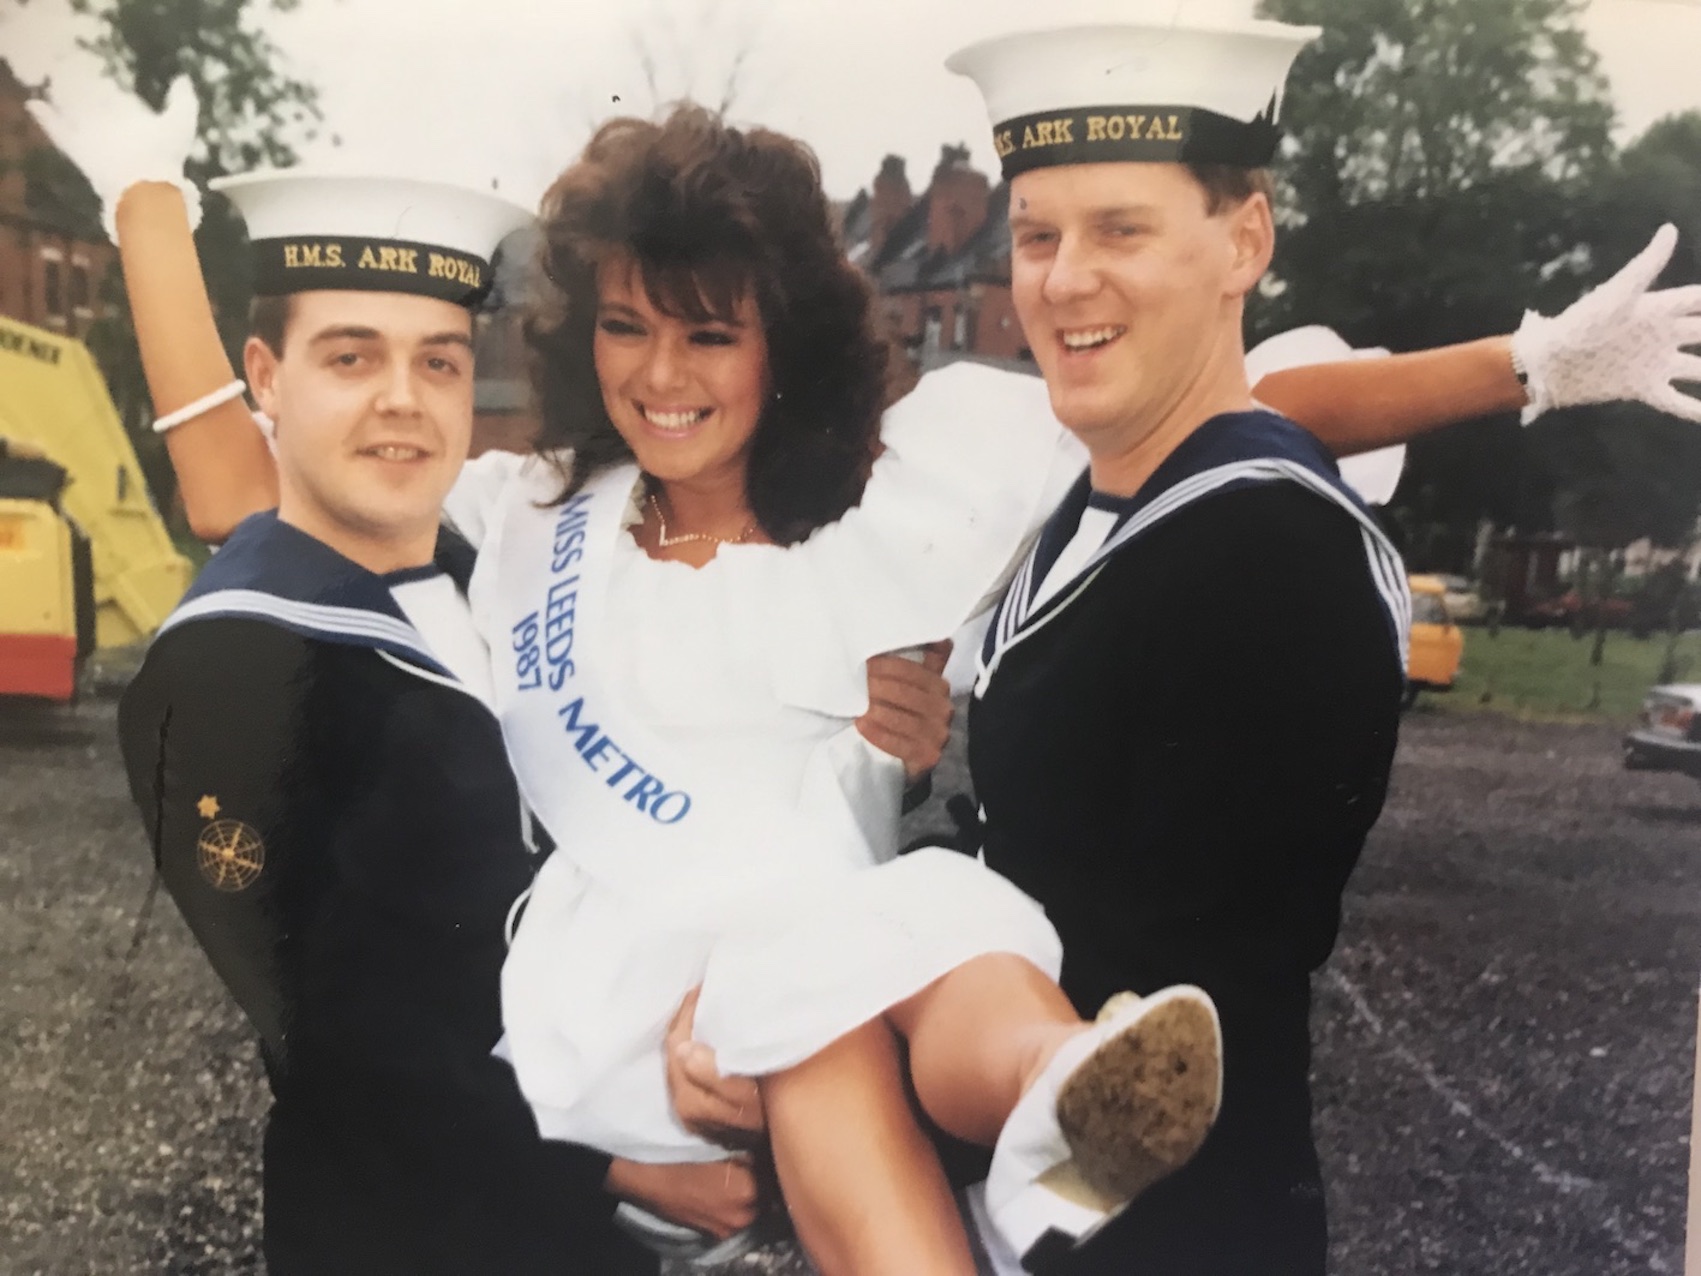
(1139, 1107)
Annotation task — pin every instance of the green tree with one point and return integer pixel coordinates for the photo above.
(252, 114)
(1620, 472)
(1435, 157)
(1658, 180)
(1443, 170)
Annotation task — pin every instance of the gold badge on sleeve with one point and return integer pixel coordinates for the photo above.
(231, 852)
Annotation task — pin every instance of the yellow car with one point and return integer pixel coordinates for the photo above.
(1437, 643)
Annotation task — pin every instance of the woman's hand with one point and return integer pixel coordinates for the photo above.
(1617, 341)
(909, 708)
(119, 141)
(724, 1110)
(717, 1197)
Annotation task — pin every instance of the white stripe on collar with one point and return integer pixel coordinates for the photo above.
(1017, 621)
(345, 622)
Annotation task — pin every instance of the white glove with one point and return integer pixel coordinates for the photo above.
(117, 141)
(1618, 341)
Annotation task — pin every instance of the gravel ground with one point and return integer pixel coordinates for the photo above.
(1504, 1036)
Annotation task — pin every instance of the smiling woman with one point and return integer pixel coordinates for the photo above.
(686, 253)
(686, 397)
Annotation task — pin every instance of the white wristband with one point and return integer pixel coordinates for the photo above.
(206, 403)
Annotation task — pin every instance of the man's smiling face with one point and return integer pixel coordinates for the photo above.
(372, 395)
(1124, 280)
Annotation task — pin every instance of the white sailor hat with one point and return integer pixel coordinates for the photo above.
(1202, 92)
(312, 230)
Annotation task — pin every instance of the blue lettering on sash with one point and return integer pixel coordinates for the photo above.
(528, 660)
(645, 792)
(560, 605)
(570, 533)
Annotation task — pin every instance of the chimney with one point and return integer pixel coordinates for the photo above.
(892, 199)
(957, 201)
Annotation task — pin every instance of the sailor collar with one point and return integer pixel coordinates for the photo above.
(271, 571)
(1230, 451)
(1226, 439)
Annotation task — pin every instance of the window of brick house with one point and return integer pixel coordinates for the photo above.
(53, 292)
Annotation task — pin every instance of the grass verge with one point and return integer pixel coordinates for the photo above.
(1547, 674)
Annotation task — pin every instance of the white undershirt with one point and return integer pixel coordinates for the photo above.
(1095, 527)
(444, 620)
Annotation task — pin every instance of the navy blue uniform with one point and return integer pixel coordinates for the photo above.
(1181, 762)
(336, 820)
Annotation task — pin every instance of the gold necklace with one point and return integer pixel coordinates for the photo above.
(664, 541)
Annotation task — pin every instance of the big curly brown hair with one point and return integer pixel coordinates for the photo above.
(710, 213)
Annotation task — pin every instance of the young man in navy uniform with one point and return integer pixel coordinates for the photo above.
(325, 786)
(1187, 707)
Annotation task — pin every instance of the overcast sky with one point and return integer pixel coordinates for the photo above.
(507, 90)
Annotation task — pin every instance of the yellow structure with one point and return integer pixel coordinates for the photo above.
(52, 395)
(1437, 643)
(42, 601)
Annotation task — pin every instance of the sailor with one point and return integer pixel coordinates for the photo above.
(1187, 705)
(324, 784)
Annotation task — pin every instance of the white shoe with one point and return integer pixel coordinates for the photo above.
(1120, 1106)
(686, 1245)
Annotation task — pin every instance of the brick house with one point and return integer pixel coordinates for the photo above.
(504, 418)
(54, 260)
(940, 261)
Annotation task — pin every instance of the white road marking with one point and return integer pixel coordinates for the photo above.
(1641, 1243)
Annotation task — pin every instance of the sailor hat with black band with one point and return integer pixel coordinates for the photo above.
(1162, 92)
(316, 230)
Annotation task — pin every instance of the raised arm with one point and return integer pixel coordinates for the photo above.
(1360, 405)
(133, 157)
(224, 467)
(1617, 342)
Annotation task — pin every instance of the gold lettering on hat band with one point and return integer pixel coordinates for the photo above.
(1152, 134)
(458, 269)
(302, 265)
(301, 256)
(389, 257)
(1114, 128)
(1053, 132)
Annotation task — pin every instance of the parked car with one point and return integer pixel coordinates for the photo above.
(1569, 610)
(1464, 601)
(1668, 738)
(1437, 643)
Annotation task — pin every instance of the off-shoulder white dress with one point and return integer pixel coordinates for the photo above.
(686, 736)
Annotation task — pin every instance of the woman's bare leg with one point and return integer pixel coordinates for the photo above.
(1083, 1117)
(977, 1039)
(861, 1180)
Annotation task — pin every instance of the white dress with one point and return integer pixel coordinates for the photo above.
(739, 682)
(686, 736)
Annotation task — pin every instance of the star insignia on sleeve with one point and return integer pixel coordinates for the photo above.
(208, 807)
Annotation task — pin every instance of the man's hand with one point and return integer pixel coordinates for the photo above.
(717, 1197)
(1618, 341)
(724, 1110)
(117, 140)
(909, 708)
